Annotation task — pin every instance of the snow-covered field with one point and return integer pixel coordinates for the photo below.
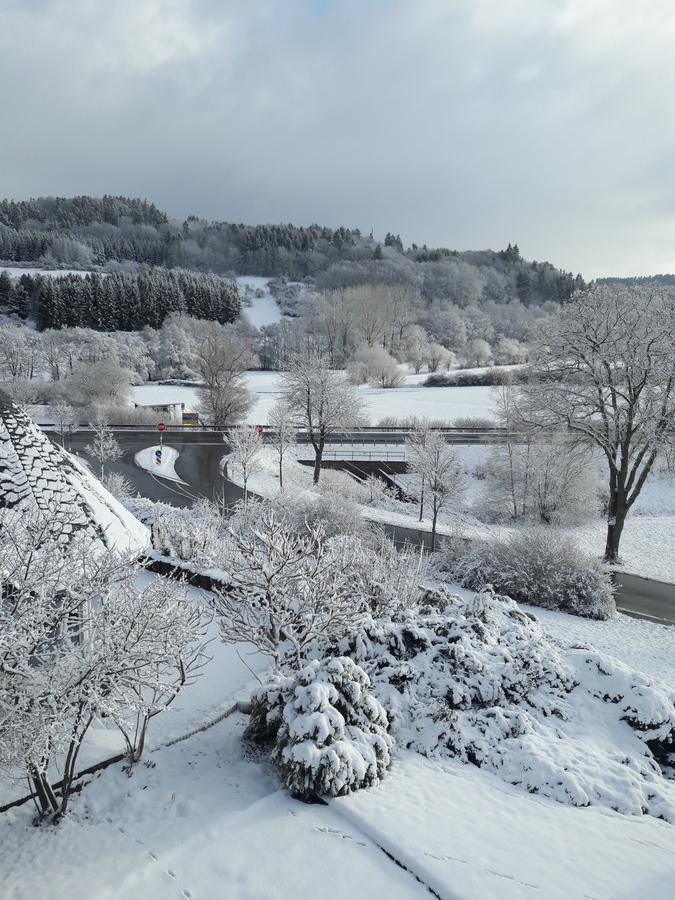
(407, 400)
(18, 271)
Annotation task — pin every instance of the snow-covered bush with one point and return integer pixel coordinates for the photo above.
(541, 566)
(480, 681)
(81, 641)
(330, 734)
(195, 536)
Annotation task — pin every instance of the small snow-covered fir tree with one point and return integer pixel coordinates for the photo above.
(332, 735)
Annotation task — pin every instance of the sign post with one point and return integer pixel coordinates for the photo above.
(259, 429)
(160, 427)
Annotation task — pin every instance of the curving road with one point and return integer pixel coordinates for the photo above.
(199, 465)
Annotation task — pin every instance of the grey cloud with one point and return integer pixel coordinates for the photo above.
(464, 124)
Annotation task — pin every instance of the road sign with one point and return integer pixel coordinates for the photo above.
(259, 429)
(161, 426)
(158, 456)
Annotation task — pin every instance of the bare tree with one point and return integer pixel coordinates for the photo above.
(415, 446)
(436, 464)
(245, 447)
(605, 369)
(321, 400)
(220, 356)
(283, 435)
(64, 418)
(104, 446)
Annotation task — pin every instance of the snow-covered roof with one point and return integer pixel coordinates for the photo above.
(38, 478)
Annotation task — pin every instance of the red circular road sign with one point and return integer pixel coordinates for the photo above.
(259, 429)
(161, 426)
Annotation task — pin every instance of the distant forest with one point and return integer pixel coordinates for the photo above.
(640, 279)
(119, 301)
(117, 234)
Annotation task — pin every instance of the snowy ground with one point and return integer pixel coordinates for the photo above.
(262, 310)
(203, 819)
(18, 271)
(407, 400)
(147, 460)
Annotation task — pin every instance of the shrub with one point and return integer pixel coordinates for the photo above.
(330, 734)
(543, 567)
(479, 680)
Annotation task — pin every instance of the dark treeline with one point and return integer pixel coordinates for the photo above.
(119, 301)
(110, 232)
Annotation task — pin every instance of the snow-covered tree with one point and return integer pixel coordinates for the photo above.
(605, 369)
(436, 466)
(245, 449)
(375, 366)
(330, 734)
(284, 433)
(321, 400)
(415, 444)
(104, 446)
(287, 588)
(81, 641)
(64, 418)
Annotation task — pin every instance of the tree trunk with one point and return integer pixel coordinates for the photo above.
(433, 528)
(318, 449)
(614, 529)
(422, 500)
(281, 472)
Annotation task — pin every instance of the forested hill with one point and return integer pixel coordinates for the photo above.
(106, 232)
(640, 279)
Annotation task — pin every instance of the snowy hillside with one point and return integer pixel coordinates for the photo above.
(259, 306)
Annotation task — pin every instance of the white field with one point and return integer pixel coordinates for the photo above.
(409, 399)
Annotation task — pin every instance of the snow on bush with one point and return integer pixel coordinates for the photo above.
(330, 733)
(540, 566)
(480, 681)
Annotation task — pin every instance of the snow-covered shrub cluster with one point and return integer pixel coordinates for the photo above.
(540, 566)
(330, 734)
(289, 587)
(479, 680)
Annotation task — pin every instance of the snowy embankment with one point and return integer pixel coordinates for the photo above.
(147, 459)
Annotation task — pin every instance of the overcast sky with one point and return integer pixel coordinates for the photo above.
(459, 123)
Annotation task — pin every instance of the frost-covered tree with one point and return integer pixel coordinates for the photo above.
(104, 446)
(321, 400)
(436, 466)
(374, 366)
(64, 418)
(287, 588)
(221, 354)
(438, 357)
(416, 347)
(81, 642)
(415, 445)
(283, 434)
(605, 369)
(245, 449)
